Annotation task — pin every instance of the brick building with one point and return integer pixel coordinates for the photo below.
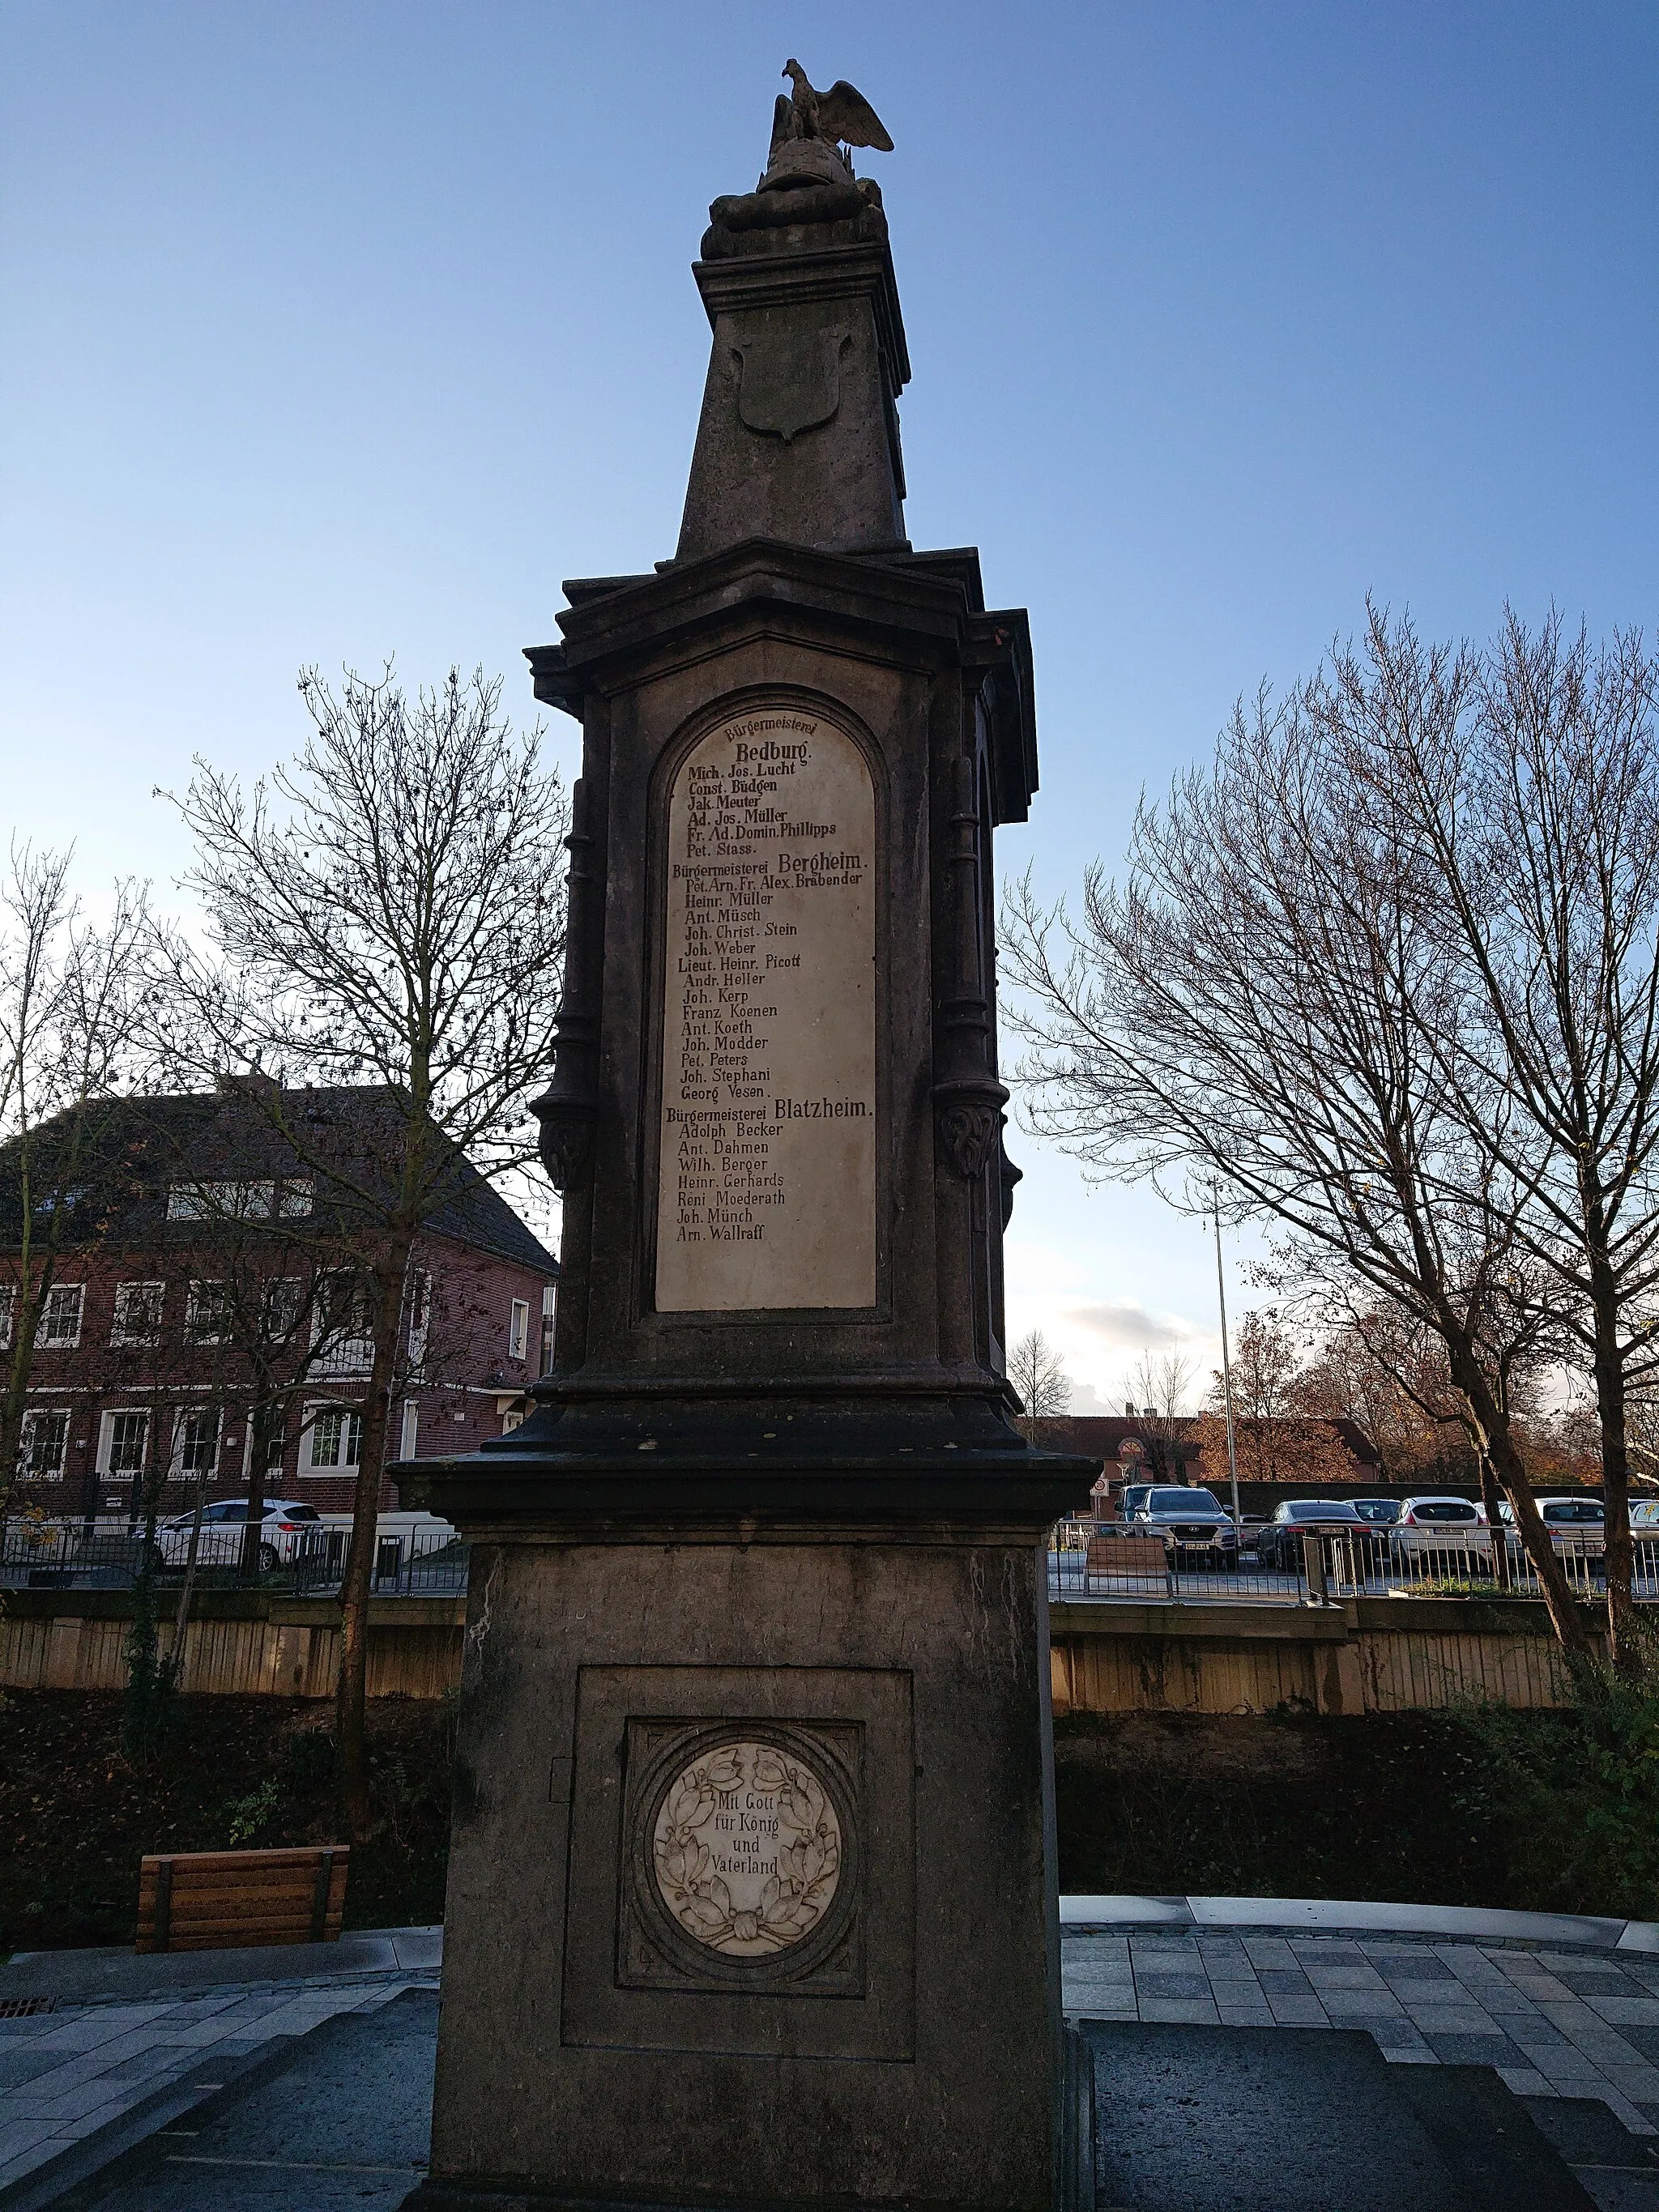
(198, 1271)
(1140, 1448)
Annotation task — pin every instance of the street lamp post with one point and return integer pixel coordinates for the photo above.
(1227, 1393)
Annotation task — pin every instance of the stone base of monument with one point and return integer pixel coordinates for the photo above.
(746, 1907)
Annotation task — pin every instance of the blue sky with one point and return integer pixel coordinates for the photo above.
(333, 331)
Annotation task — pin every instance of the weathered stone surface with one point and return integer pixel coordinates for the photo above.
(932, 2079)
(798, 435)
(772, 1501)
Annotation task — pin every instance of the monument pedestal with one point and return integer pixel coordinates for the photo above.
(751, 1897)
(751, 1888)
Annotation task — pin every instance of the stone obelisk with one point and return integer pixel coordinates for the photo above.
(752, 1891)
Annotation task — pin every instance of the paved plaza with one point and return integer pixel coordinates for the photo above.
(151, 2074)
(98, 2071)
(1553, 2021)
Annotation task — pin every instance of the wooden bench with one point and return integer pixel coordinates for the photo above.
(213, 1900)
(1129, 1555)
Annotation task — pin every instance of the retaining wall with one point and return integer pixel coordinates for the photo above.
(1366, 1655)
(1370, 1655)
(236, 1643)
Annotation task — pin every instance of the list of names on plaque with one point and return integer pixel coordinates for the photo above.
(766, 1177)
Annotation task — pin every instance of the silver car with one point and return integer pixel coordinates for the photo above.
(1442, 1534)
(286, 1533)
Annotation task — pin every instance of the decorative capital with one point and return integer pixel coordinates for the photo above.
(567, 1138)
(970, 1120)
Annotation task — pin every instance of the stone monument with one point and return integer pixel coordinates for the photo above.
(751, 1897)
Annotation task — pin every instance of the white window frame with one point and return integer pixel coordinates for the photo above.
(346, 1355)
(193, 1301)
(272, 1473)
(176, 1467)
(7, 1314)
(247, 1198)
(410, 1429)
(44, 1343)
(336, 1470)
(31, 1420)
(293, 1288)
(106, 1441)
(420, 1315)
(518, 1330)
(120, 1331)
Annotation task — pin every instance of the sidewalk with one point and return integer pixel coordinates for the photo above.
(102, 2047)
(114, 2050)
(1553, 2017)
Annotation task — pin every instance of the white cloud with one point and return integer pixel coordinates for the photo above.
(1126, 1325)
(1087, 1401)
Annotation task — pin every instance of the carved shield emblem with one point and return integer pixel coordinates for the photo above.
(788, 385)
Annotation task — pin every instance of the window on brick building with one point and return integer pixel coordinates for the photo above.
(207, 1316)
(335, 1441)
(280, 1302)
(7, 1314)
(548, 1298)
(420, 1314)
(59, 1325)
(124, 1443)
(45, 1445)
(138, 1308)
(518, 1329)
(344, 1324)
(195, 1441)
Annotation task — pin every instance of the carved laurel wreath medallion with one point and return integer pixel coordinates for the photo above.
(747, 1850)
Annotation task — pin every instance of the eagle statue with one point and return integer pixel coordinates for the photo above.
(841, 116)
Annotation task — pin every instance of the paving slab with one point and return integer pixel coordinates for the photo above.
(1442, 2002)
(338, 2119)
(1255, 2119)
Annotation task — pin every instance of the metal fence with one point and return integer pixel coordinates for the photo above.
(1090, 1559)
(68, 1555)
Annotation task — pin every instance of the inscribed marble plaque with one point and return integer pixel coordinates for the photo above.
(766, 1174)
(746, 1850)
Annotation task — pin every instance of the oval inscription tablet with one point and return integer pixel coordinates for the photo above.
(746, 1850)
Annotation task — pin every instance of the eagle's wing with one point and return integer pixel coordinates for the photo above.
(845, 118)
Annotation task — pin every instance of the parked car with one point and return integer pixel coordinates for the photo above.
(1441, 1527)
(1133, 1498)
(1279, 1541)
(285, 1533)
(1577, 1526)
(1377, 1512)
(1191, 1523)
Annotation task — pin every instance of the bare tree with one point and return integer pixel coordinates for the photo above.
(1161, 1385)
(1251, 1005)
(70, 1002)
(385, 918)
(1037, 1373)
(1538, 811)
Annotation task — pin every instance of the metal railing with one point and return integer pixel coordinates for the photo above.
(1090, 1559)
(68, 1555)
